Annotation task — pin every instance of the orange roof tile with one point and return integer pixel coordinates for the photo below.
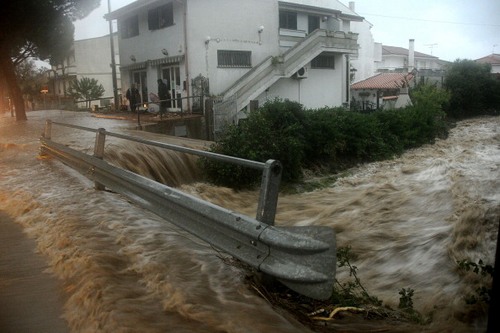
(384, 81)
(491, 59)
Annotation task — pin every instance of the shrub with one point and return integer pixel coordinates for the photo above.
(85, 89)
(284, 131)
(274, 131)
(325, 139)
(473, 89)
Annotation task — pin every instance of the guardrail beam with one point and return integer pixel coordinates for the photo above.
(302, 258)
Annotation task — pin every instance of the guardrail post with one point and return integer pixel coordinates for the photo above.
(47, 133)
(269, 191)
(302, 258)
(100, 139)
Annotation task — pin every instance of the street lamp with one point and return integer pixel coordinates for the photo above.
(44, 91)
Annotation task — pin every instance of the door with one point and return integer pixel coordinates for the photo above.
(172, 77)
(140, 78)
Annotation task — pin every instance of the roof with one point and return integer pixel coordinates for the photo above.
(333, 5)
(384, 81)
(395, 50)
(130, 8)
(493, 59)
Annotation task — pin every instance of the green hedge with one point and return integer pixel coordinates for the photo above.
(335, 137)
(474, 90)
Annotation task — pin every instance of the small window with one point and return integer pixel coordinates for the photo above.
(288, 20)
(313, 23)
(226, 58)
(161, 17)
(324, 61)
(130, 27)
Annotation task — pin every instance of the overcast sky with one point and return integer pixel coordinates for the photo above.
(448, 29)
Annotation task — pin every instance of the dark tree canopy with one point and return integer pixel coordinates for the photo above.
(473, 88)
(36, 28)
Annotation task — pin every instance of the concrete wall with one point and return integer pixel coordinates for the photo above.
(322, 87)
(93, 60)
(364, 63)
(231, 25)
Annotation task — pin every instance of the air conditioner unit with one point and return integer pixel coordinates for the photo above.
(301, 73)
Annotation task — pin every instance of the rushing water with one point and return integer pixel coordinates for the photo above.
(125, 270)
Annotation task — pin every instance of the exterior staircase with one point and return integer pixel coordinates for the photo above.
(265, 74)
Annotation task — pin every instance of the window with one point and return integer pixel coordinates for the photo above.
(161, 17)
(226, 58)
(324, 61)
(313, 23)
(130, 27)
(288, 20)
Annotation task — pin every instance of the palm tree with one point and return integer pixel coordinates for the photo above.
(86, 89)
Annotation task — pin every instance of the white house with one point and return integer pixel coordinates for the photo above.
(399, 59)
(365, 63)
(89, 58)
(492, 59)
(246, 50)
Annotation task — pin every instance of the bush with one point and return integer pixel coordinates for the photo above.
(334, 137)
(473, 89)
(275, 131)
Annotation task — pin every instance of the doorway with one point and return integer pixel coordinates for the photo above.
(140, 78)
(172, 77)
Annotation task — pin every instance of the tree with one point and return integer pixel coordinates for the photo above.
(85, 89)
(473, 89)
(34, 28)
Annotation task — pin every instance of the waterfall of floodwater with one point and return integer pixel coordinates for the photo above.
(408, 220)
(164, 166)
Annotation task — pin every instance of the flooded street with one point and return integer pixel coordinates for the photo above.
(409, 220)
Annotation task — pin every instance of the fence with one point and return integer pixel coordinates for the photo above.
(302, 258)
(225, 112)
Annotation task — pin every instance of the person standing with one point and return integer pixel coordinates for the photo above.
(133, 96)
(163, 95)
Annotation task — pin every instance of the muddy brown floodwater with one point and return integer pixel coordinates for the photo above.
(409, 220)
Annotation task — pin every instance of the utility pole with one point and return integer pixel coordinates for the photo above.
(113, 63)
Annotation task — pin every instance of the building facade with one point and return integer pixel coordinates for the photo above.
(428, 68)
(494, 61)
(89, 58)
(240, 52)
(365, 63)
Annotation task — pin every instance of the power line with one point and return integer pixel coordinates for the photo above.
(432, 21)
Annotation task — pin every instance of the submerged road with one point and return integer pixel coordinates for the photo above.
(30, 298)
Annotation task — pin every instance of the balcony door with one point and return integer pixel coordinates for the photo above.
(172, 77)
(140, 78)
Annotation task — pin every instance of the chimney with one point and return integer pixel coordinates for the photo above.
(411, 55)
(352, 6)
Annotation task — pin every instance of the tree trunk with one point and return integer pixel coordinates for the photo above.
(9, 74)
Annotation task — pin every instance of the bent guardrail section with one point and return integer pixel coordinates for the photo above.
(302, 258)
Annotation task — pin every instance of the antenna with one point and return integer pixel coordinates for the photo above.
(431, 46)
(493, 51)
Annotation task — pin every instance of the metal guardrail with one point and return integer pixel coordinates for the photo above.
(302, 258)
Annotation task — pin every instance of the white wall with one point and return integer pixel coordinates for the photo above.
(93, 60)
(148, 44)
(237, 29)
(364, 63)
(322, 87)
